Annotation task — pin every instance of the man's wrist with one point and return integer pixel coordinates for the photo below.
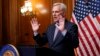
(35, 33)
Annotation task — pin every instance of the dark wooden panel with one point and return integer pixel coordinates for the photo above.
(16, 29)
(5, 21)
(9, 19)
(0, 22)
(69, 8)
(13, 20)
(23, 27)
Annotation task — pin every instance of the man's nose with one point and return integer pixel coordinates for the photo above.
(54, 13)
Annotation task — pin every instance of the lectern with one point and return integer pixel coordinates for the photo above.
(39, 51)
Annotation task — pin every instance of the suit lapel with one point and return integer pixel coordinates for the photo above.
(51, 35)
(59, 36)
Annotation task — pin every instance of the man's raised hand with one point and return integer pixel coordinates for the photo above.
(35, 25)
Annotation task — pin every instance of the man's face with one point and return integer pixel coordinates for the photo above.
(56, 12)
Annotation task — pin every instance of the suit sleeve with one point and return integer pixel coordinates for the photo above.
(41, 40)
(73, 35)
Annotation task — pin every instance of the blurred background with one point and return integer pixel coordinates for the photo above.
(15, 27)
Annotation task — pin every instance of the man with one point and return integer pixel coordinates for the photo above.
(62, 35)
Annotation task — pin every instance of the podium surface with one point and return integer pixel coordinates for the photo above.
(36, 51)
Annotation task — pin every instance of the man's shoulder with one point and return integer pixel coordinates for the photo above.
(51, 26)
(70, 23)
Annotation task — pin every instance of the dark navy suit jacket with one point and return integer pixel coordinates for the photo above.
(62, 44)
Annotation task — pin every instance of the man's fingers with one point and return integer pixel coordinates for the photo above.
(57, 25)
(34, 20)
(39, 24)
(61, 19)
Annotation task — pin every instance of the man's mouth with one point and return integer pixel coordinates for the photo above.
(54, 17)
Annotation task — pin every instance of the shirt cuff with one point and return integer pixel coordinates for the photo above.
(64, 32)
(35, 33)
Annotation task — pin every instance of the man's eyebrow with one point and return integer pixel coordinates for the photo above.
(55, 11)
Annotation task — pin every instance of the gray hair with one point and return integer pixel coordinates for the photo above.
(62, 6)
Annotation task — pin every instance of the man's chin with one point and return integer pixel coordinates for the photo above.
(55, 20)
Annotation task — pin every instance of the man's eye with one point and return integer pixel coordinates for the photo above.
(56, 11)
